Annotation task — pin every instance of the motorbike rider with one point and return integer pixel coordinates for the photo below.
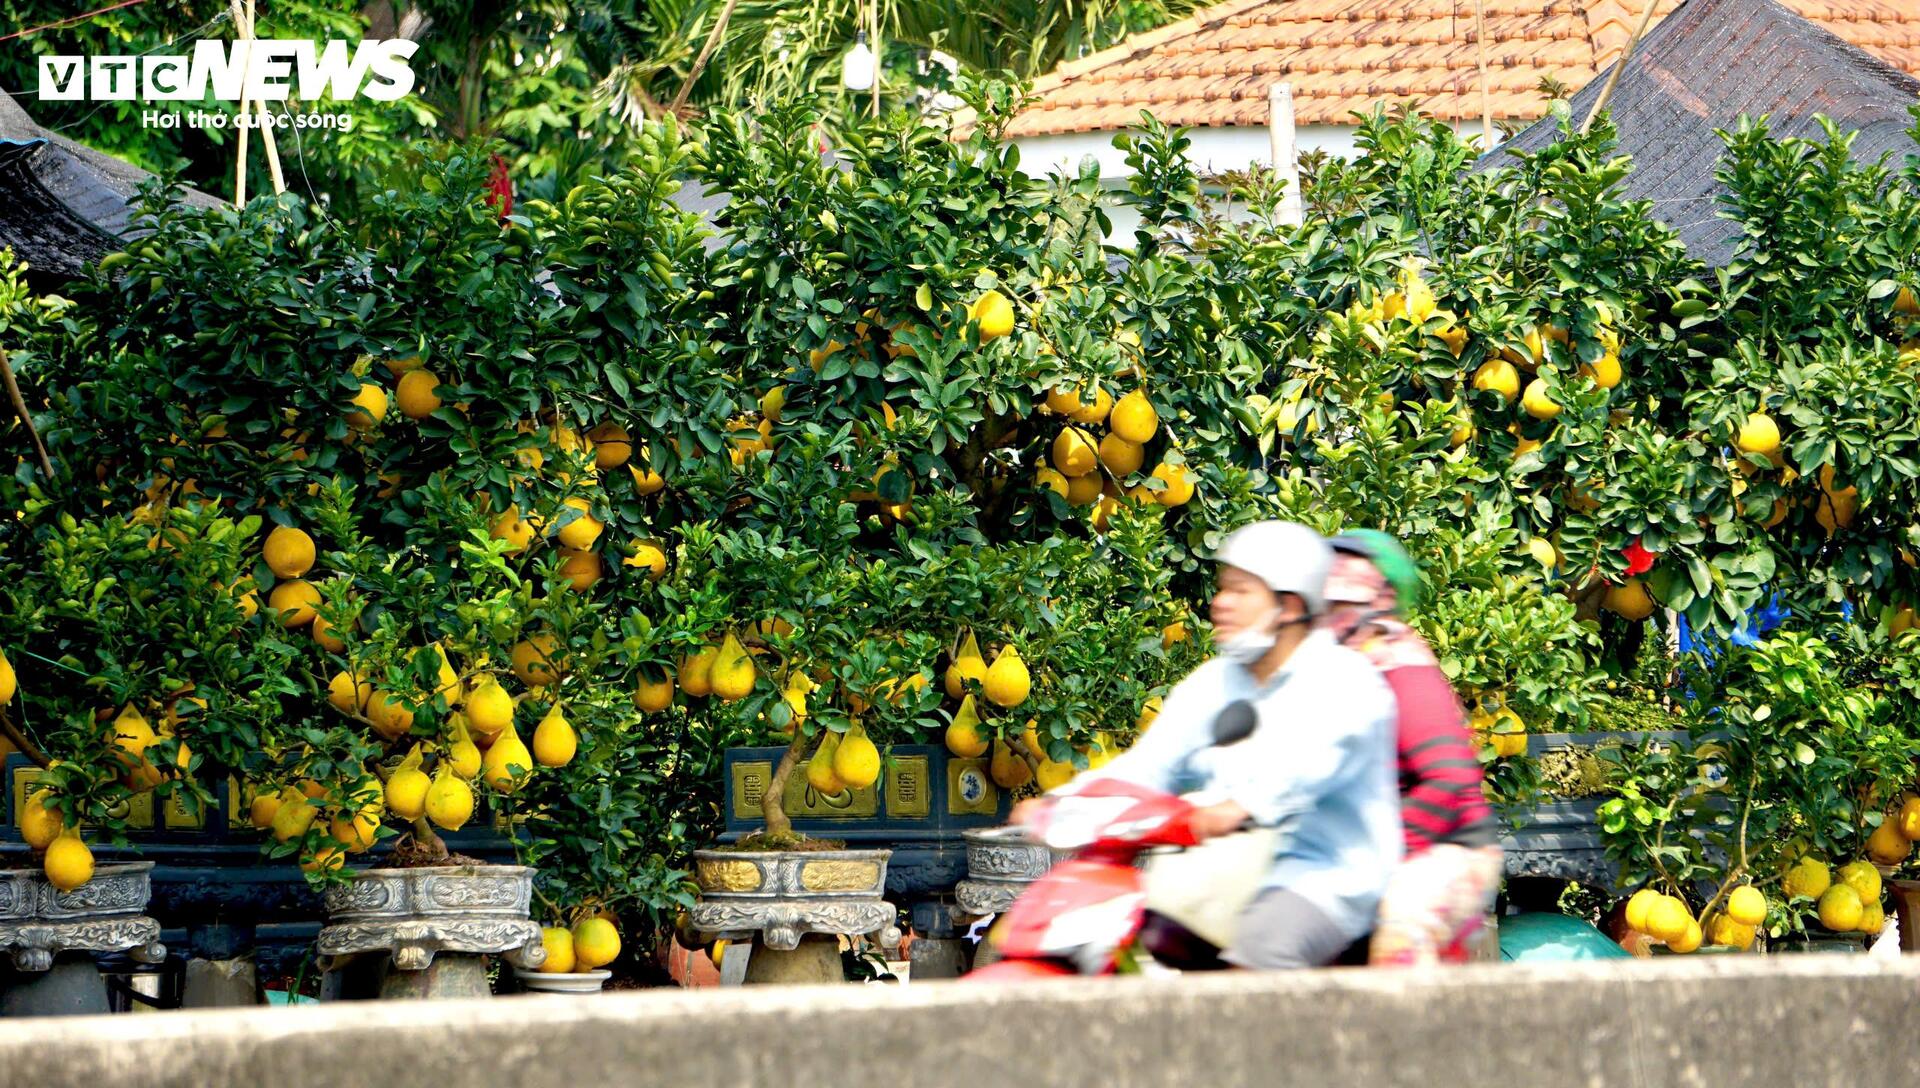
(1443, 889)
(1319, 764)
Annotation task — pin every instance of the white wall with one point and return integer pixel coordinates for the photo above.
(1213, 150)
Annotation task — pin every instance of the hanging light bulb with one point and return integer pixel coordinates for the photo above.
(857, 67)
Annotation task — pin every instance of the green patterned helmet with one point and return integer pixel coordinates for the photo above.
(1392, 560)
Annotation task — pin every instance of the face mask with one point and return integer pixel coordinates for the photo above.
(1249, 646)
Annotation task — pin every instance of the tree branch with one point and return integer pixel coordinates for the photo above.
(20, 409)
(18, 738)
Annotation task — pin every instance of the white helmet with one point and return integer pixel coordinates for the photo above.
(1288, 557)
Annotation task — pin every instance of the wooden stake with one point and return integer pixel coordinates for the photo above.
(1613, 78)
(700, 62)
(20, 409)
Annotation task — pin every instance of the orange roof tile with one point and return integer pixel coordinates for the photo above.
(1214, 68)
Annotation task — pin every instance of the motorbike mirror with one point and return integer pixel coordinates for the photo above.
(1234, 723)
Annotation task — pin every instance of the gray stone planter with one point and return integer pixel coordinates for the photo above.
(778, 898)
(1001, 863)
(414, 915)
(39, 922)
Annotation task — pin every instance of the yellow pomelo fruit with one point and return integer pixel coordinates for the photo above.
(964, 737)
(1886, 846)
(533, 659)
(1122, 458)
(1009, 771)
(1082, 490)
(407, 791)
(1092, 411)
(1668, 919)
(449, 800)
(1008, 682)
(820, 772)
(1604, 372)
(1809, 879)
(857, 762)
(508, 763)
(1638, 905)
(733, 673)
(1689, 940)
(9, 682)
(967, 665)
(1050, 478)
(1179, 481)
(1758, 434)
(648, 556)
(417, 395)
(1863, 878)
(580, 533)
(358, 831)
(1747, 906)
(696, 671)
(322, 632)
(39, 825)
(1074, 453)
(612, 446)
(1499, 376)
(346, 694)
(288, 552)
(1133, 418)
(1052, 775)
(489, 708)
(389, 716)
(595, 944)
(994, 312)
(1629, 599)
(295, 601)
(1538, 402)
(554, 740)
(1910, 817)
(579, 570)
(1841, 909)
(653, 696)
(68, 863)
(512, 528)
(1873, 919)
(294, 816)
(261, 808)
(558, 943)
(369, 407)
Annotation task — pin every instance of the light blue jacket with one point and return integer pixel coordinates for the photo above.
(1320, 766)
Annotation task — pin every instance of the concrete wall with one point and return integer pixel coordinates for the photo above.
(1746, 1021)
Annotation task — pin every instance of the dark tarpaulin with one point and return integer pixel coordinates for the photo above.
(1703, 68)
(62, 205)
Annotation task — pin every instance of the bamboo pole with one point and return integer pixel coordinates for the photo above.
(245, 37)
(700, 62)
(1613, 78)
(1486, 85)
(879, 55)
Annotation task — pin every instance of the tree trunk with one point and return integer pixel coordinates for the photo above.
(773, 807)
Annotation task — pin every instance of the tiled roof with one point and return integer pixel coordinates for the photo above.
(1719, 60)
(1343, 56)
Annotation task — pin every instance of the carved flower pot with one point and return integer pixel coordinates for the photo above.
(412, 916)
(49, 935)
(784, 899)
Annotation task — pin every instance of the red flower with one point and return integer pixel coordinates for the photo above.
(1639, 559)
(500, 188)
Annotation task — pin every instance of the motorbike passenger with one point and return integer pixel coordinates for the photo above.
(1441, 892)
(1318, 765)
